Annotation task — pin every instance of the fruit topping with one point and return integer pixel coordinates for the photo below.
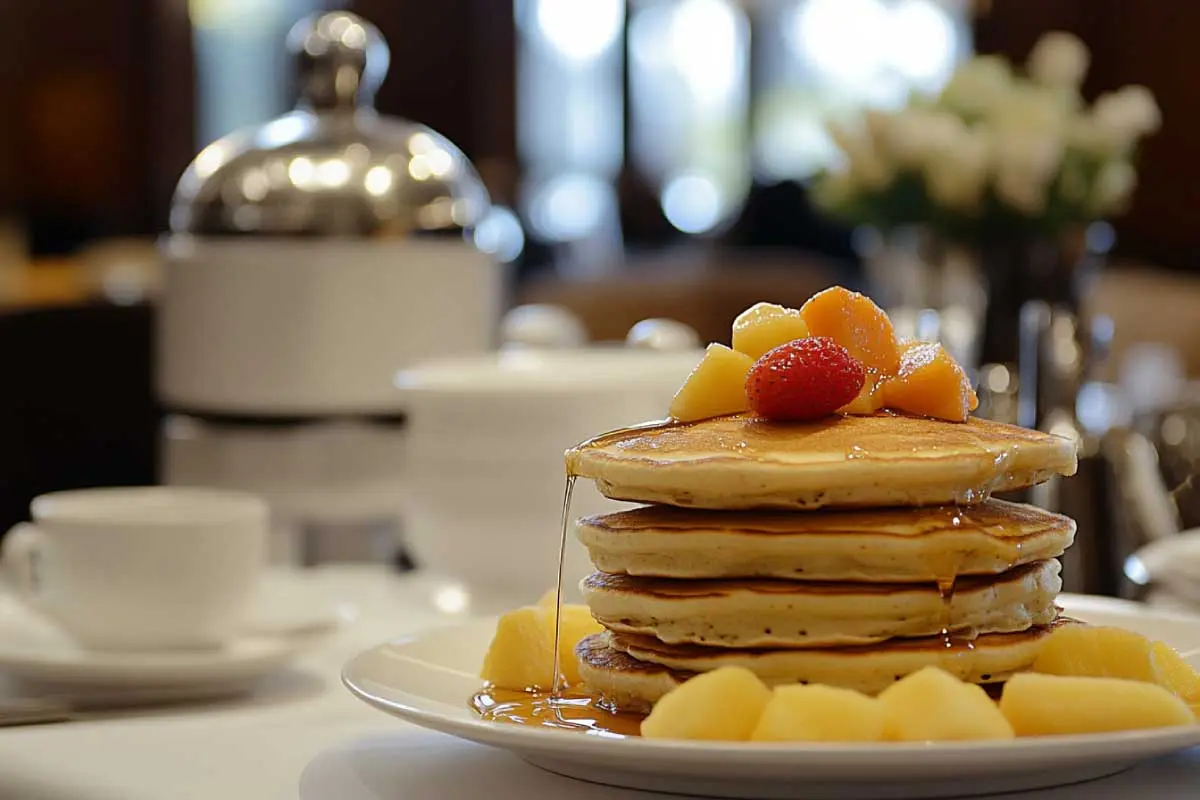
(804, 380)
(870, 397)
(964, 711)
(716, 386)
(931, 383)
(815, 713)
(912, 376)
(1049, 705)
(722, 705)
(521, 655)
(765, 326)
(856, 323)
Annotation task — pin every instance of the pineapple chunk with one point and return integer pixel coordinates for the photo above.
(815, 713)
(521, 655)
(716, 386)
(577, 625)
(1104, 652)
(1097, 652)
(1175, 674)
(1046, 705)
(765, 326)
(723, 705)
(548, 600)
(931, 705)
(870, 398)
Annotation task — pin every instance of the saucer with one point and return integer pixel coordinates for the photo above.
(289, 614)
(169, 675)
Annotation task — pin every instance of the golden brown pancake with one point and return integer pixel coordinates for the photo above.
(741, 462)
(885, 545)
(757, 613)
(633, 672)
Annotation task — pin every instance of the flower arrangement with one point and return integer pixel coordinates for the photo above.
(996, 152)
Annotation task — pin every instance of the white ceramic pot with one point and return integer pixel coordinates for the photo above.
(484, 462)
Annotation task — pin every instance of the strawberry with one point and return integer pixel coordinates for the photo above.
(805, 379)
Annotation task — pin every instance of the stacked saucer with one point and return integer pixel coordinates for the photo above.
(849, 551)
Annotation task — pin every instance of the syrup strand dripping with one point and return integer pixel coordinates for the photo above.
(946, 592)
(556, 688)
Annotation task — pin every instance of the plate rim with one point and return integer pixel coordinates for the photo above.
(1133, 745)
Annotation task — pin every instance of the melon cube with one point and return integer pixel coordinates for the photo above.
(722, 705)
(717, 386)
(857, 324)
(816, 713)
(764, 327)
(930, 383)
(1047, 705)
(932, 705)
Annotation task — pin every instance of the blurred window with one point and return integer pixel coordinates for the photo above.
(243, 72)
(823, 58)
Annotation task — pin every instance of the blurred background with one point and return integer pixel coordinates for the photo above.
(642, 159)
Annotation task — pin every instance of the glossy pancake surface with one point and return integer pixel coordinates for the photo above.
(791, 614)
(741, 462)
(633, 672)
(896, 545)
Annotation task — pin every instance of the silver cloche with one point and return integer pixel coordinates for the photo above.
(333, 166)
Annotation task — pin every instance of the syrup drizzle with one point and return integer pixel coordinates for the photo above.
(579, 713)
(568, 490)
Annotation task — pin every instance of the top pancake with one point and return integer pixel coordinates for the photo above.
(741, 462)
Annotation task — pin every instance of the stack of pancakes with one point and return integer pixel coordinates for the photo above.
(850, 551)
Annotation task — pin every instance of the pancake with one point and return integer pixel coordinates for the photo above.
(633, 672)
(785, 614)
(884, 545)
(741, 462)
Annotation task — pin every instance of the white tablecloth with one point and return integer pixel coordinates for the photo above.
(304, 736)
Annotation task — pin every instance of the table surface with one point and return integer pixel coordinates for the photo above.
(304, 736)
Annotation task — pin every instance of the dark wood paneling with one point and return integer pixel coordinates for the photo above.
(453, 69)
(1132, 42)
(98, 113)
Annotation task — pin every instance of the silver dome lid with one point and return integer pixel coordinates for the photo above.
(333, 166)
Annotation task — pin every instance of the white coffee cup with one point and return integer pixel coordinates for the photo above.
(143, 568)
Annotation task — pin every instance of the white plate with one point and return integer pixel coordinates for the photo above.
(429, 678)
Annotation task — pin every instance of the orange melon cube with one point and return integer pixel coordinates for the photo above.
(857, 324)
(930, 383)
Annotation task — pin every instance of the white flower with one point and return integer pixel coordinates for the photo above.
(1024, 165)
(1119, 119)
(914, 136)
(1059, 60)
(1113, 188)
(1030, 110)
(864, 162)
(977, 85)
(956, 175)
